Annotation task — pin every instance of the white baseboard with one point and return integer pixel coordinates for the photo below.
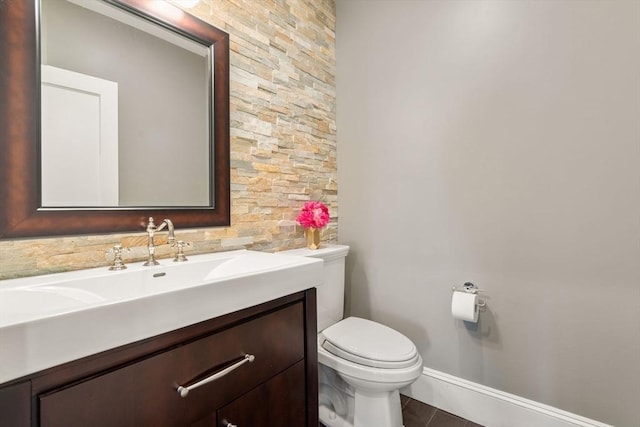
(487, 406)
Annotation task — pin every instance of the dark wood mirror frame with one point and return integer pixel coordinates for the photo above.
(20, 211)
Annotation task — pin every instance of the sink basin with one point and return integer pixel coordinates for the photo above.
(53, 319)
(138, 281)
(18, 304)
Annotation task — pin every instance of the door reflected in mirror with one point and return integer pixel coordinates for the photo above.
(125, 108)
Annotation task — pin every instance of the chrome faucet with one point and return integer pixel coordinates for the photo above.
(152, 229)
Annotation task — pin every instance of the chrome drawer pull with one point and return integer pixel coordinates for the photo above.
(184, 391)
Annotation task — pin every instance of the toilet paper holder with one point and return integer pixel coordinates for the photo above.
(472, 289)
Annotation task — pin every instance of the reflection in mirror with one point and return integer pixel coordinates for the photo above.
(114, 134)
(135, 190)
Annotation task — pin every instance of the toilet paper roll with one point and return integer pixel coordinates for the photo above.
(464, 306)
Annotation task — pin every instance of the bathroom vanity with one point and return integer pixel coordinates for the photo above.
(264, 355)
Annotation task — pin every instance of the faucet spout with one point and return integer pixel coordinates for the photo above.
(152, 229)
(172, 237)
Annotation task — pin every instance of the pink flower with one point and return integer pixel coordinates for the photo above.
(313, 215)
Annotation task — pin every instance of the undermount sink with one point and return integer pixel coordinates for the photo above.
(52, 319)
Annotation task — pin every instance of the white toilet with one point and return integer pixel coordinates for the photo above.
(363, 364)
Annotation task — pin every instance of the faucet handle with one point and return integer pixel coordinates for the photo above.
(118, 264)
(180, 256)
(151, 226)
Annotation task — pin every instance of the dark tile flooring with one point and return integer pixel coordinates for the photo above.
(418, 414)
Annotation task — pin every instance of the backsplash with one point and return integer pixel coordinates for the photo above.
(283, 141)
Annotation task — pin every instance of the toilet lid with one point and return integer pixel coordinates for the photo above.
(369, 343)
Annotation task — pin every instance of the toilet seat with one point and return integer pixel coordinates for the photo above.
(369, 343)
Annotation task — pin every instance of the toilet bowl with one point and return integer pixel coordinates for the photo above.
(362, 364)
(376, 362)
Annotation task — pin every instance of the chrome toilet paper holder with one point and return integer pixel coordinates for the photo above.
(471, 288)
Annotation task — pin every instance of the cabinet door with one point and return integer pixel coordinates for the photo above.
(15, 405)
(280, 402)
(144, 393)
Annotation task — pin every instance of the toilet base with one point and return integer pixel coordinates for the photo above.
(336, 399)
(381, 409)
(341, 405)
(328, 418)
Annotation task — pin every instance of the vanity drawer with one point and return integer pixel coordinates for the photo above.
(145, 393)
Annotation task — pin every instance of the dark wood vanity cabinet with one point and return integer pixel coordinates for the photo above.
(267, 402)
(15, 405)
(136, 385)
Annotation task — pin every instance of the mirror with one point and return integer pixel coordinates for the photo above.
(197, 191)
(101, 105)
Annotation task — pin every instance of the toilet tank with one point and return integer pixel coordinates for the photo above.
(330, 294)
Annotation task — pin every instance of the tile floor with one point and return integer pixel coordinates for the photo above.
(418, 414)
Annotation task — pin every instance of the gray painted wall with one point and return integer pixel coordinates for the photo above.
(498, 142)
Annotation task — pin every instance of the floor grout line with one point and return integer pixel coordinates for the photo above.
(430, 418)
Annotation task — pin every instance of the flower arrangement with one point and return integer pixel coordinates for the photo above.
(313, 216)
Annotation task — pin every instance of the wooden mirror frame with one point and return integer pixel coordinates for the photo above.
(20, 212)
